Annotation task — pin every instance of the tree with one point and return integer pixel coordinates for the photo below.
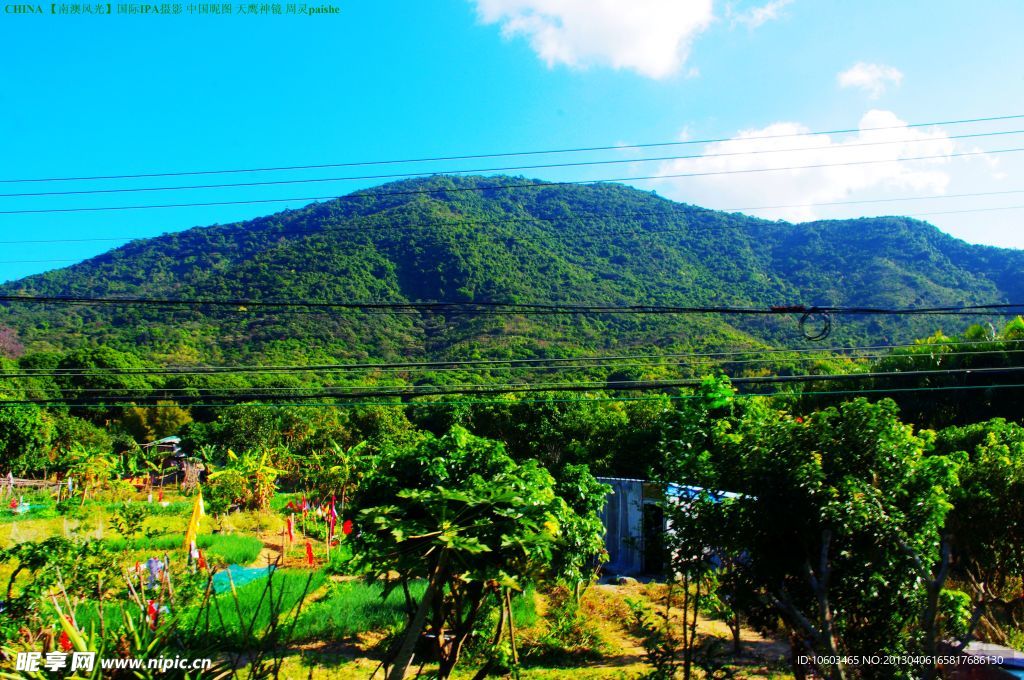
(563, 431)
(700, 458)
(147, 423)
(34, 570)
(102, 373)
(91, 467)
(987, 520)
(333, 470)
(839, 519)
(460, 513)
(248, 481)
(10, 346)
(25, 434)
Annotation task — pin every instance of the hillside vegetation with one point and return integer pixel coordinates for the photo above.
(468, 239)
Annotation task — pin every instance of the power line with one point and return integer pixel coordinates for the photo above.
(615, 384)
(504, 308)
(498, 187)
(502, 366)
(405, 390)
(506, 154)
(318, 180)
(620, 398)
(489, 362)
(369, 228)
(516, 220)
(471, 171)
(37, 261)
(969, 210)
(443, 390)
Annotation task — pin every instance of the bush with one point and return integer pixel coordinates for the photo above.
(225, 492)
(130, 518)
(117, 490)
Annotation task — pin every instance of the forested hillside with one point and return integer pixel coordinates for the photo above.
(475, 239)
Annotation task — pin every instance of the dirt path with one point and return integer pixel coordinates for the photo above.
(758, 653)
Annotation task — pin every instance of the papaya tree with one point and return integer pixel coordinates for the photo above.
(461, 514)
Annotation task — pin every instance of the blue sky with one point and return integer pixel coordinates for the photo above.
(391, 80)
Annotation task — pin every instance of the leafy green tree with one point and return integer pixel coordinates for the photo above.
(148, 423)
(334, 470)
(459, 512)
(92, 369)
(564, 430)
(227, 489)
(130, 519)
(70, 432)
(839, 522)
(91, 468)
(987, 520)
(249, 481)
(25, 436)
(247, 426)
(582, 532)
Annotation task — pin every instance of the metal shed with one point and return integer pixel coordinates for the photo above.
(623, 519)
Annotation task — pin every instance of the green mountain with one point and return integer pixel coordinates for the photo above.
(506, 239)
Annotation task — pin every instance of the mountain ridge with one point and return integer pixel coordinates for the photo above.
(468, 239)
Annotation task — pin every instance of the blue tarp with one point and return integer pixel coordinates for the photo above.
(240, 575)
(691, 492)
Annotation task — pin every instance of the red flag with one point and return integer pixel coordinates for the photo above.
(65, 641)
(202, 560)
(152, 613)
(291, 529)
(305, 505)
(346, 527)
(160, 496)
(310, 560)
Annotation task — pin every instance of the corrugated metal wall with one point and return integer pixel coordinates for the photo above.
(623, 519)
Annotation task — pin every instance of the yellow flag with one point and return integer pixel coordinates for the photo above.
(192, 532)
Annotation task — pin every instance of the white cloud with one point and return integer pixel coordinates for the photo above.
(651, 37)
(894, 175)
(755, 16)
(872, 78)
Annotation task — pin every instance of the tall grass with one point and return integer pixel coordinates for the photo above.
(354, 607)
(232, 548)
(235, 619)
(87, 614)
(341, 559)
(219, 548)
(524, 608)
